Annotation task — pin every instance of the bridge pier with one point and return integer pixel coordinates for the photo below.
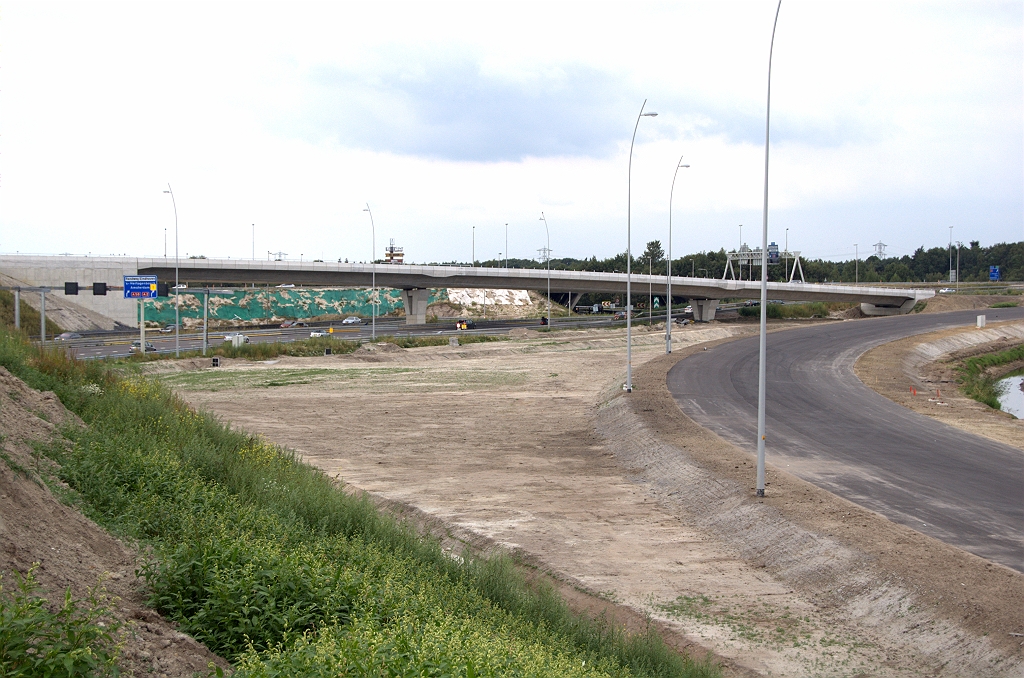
(415, 302)
(704, 309)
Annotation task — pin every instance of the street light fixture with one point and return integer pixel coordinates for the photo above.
(373, 276)
(763, 345)
(668, 275)
(629, 253)
(177, 306)
(547, 257)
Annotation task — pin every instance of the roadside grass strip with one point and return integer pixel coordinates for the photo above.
(274, 567)
(978, 383)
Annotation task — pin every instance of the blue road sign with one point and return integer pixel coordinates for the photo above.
(993, 273)
(140, 287)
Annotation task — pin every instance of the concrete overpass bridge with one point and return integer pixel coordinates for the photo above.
(415, 281)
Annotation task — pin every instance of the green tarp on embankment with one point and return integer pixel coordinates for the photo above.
(274, 304)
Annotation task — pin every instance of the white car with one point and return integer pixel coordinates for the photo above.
(228, 338)
(352, 320)
(947, 290)
(318, 334)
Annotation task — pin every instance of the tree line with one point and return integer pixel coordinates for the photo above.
(923, 266)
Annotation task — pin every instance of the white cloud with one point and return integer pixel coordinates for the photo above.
(890, 120)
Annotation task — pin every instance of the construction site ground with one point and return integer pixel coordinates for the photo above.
(530, 445)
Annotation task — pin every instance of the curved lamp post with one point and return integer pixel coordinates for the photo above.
(763, 347)
(668, 296)
(547, 258)
(177, 312)
(629, 253)
(373, 276)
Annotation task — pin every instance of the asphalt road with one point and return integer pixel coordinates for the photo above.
(827, 427)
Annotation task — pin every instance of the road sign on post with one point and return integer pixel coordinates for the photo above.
(993, 273)
(140, 287)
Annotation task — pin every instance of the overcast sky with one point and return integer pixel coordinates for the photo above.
(890, 122)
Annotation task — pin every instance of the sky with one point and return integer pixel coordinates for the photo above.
(276, 124)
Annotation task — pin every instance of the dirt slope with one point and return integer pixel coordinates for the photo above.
(71, 550)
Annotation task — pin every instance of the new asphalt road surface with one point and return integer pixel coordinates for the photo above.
(825, 426)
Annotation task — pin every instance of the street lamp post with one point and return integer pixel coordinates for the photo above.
(506, 245)
(373, 277)
(547, 257)
(950, 250)
(856, 264)
(958, 245)
(629, 252)
(763, 346)
(177, 305)
(668, 274)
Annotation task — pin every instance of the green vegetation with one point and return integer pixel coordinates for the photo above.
(975, 380)
(80, 638)
(268, 562)
(29, 316)
(1004, 304)
(417, 342)
(305, 348)
(815, 309)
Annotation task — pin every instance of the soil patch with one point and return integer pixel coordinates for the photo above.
(941, 303)
(72, 551)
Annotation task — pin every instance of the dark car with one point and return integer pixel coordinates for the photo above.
(134, 348)
(465, 324)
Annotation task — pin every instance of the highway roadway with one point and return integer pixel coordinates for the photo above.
(825, 426)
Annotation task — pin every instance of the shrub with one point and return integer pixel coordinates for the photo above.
(80, 638)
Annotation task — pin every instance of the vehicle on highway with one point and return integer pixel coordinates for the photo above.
(168, 328)
(319, 334)
(465, 324)
(289, 285)
(67, 336)
(294, 323)
(621, 315)
(353, 320)
(751, 302)
(228, 338)
(134, 348)
(688, 309)
(947, 290)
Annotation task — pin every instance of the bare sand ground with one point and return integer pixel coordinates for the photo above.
(531, 445)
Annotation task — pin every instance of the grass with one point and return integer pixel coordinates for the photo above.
(29, 316)
(1005, 304)
(307, 348)
(817, 309)
(268, 562)
(975, 380)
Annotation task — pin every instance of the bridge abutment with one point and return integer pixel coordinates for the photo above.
(704, 309)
